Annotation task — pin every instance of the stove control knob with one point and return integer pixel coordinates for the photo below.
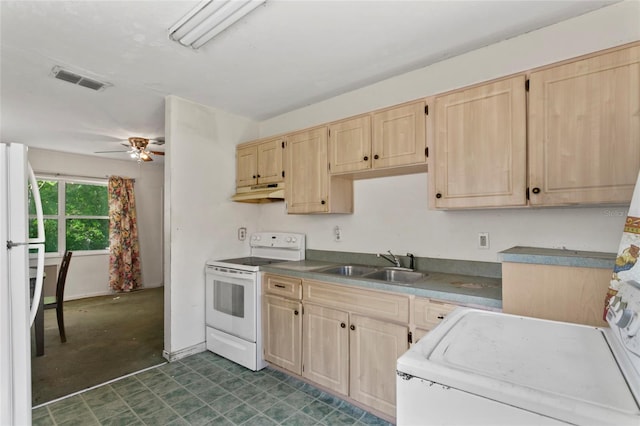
(289, 239)
(634, 326)
(256, 237)
(293, 239)
(624, 317)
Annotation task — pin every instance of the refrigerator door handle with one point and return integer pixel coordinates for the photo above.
(35, 191)
(37, 293)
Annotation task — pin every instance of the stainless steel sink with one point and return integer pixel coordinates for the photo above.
(396, 276)
(347, 270)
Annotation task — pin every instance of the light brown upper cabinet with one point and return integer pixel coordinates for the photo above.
(479, 146)
(350, 145)
(584, 129)
(308, 187)
(382, 140)
(258, 163)
(398, 136)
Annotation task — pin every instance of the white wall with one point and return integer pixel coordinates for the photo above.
(89, 274)
(201, 222)
(391, 213)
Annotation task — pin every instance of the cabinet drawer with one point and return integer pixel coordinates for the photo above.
(283, 286)
(368, 302)
(427, 313)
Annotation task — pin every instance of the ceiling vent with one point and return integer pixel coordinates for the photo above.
(71, 77)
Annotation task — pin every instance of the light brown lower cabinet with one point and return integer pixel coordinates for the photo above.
(374, 348)
(282, 336)
(345, 339)
(326, 347)
(353, 355)
(555, 292)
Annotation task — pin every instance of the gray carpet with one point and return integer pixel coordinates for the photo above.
(107, 337)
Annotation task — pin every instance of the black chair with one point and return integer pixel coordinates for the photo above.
(62, 278)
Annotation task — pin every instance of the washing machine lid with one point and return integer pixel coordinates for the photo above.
(563, 370)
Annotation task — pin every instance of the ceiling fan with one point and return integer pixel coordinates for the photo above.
(139, 149)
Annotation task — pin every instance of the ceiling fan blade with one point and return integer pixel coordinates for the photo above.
(147, 159)
(157, 152)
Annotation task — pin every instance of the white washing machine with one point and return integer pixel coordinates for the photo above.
(489, 368)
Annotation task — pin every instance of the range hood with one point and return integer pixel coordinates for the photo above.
(260, 193)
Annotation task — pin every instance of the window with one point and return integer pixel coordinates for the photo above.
(76, 215)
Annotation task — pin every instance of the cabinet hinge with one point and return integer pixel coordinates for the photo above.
(426, 152)
(526, 85)
(283, 173)
(528, 193)
(410, 337)
(329, 166)
(302, 367)
(426, 110)
(329, 133)
(282, 144)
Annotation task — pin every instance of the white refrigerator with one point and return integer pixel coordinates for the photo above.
(17, 308)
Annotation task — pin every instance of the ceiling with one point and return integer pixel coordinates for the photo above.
(284, 55)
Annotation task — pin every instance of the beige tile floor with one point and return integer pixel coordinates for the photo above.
(204, 389)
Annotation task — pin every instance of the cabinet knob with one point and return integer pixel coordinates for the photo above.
(438, 195)
(352, 327)
(375, 157)
(254, 176)
(366, 158)
(440, 316)
(342, 325)
(323, 202)
(258, 175)
(295, 312)
(536, 190)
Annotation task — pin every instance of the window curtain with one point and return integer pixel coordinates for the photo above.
(124, 249)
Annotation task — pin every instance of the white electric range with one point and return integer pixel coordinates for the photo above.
(233, 296)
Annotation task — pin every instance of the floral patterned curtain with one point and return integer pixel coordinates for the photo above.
(124, 250)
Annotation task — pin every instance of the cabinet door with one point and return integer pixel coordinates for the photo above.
(350, 145)
(307, 172)
(326, 347)
(375, 347)
(246, 170)
(270, 161)
(480, 146)
(584, 130)
(399, 136)
(282, 338)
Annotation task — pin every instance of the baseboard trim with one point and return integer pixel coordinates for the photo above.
(183, 353)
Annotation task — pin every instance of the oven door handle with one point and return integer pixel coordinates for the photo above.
(215, 271)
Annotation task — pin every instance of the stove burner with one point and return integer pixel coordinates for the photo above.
(252, 261)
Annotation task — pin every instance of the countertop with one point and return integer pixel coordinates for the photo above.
(559, 257)
(467, 290)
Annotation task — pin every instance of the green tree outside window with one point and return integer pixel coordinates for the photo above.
(84, 216)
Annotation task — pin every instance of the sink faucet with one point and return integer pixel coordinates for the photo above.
(392, 258)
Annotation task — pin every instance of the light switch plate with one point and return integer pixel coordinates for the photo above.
(483, 240)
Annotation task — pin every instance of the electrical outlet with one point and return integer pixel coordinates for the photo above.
(337, 234)
(242, 233)
(483, 240)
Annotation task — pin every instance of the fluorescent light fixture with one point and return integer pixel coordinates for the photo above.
(208, 19)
